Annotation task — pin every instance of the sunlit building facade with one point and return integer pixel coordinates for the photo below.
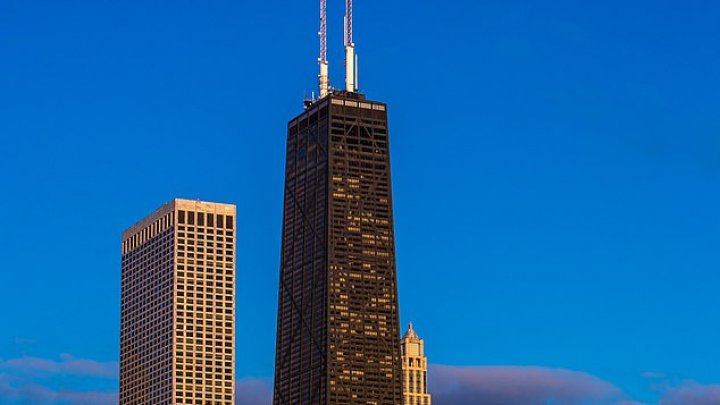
(177, 339)
(415, 369)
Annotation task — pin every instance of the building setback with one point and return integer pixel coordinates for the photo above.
(177, 332)
(415, 368)
(338, 337)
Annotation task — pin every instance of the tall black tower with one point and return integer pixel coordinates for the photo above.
(338, 333)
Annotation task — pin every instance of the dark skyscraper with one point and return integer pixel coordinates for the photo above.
(338, 337)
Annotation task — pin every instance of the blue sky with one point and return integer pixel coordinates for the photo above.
(555, 172)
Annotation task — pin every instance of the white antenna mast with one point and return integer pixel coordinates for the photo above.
(324, 77)
(350, 57)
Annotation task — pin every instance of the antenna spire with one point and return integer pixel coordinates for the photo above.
(350, 57)
(324, 76)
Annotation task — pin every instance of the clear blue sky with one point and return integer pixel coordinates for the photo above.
(556, 169)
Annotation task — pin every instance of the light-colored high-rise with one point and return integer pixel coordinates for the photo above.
(414, 364)
(177, 332)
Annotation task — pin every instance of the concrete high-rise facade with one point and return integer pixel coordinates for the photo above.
(415, 369)
(338, 334)
(177, 332)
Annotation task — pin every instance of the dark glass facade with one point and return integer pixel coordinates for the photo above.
(338, 337)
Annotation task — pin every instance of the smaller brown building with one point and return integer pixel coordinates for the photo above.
(415, 369)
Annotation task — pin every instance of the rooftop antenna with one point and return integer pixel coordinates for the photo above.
(324, 77)
(350, 57)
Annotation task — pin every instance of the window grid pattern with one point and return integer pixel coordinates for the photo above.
(205, 308)
(338, 331)
(178, 306)
(300, 370)
(147, 314)
(363, 337)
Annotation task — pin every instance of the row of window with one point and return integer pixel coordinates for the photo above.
(199, 233)
(206, 219)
